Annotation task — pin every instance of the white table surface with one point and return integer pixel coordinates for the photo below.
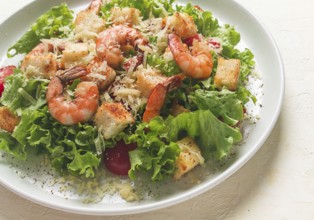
(278, 182)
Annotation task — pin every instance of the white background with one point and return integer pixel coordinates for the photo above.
(278, 182)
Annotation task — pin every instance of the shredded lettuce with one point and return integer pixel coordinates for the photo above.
(56, 22)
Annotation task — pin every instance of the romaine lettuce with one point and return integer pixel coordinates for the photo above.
(21, 93)
(10, 145)
(214, 137)
(223, 104)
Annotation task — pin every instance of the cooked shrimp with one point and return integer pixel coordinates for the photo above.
(181, 24)
(100, 73)
(126, 16)
(111, 43)
(196, 64)
(66, 110)
(157, 97)
(87, 22)
(40, 62)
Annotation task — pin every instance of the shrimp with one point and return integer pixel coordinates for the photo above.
(181, 24)
(66, 110)
(157, 97)
(40, 62)
(196, 64)
(112, 42)
(87, 22)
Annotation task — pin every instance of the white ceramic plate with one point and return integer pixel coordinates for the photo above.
(269, 65)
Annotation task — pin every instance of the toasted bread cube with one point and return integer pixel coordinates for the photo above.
(227, 73)
(8, 120)
(112, 118)
(74, 54)
(147, 80)
(189, 157)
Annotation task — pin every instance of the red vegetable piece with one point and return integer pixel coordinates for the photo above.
(214, 43)
(117, 159)
(189, 41)
(4, 72)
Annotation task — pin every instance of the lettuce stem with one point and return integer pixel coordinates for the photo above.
(27, 96)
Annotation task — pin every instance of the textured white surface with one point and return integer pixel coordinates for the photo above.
(278, 182)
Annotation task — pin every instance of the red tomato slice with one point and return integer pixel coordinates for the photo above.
(117, 159)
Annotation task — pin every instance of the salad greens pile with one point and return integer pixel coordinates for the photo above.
(76, 149)
(56, 22)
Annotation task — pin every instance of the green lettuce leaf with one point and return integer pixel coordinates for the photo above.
(205, 22)
(155, 153)
(11, 145)
(246, 57)
(147, 8)
(168, 68)
(223, 104)
(21, 93)
(228, 35)
(84, 163)
(214, 137)
(71, 149)
(54, 23)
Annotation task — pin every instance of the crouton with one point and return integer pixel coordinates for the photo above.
(74, 54)
(227, 73)
(147, 80)
(189, 157)
(112, 118)
(8, 120)
(125, 16)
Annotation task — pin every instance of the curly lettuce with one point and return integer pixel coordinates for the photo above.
(155, 154)
(168, 68)
(148, 8)
(57, 22)
(204, 20)
(157, 148)
(71, 149)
